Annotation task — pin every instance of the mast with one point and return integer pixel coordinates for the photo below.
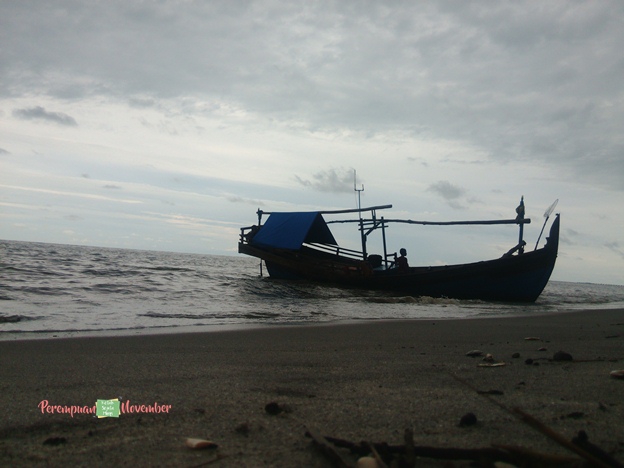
(359, 201)
(520, 220)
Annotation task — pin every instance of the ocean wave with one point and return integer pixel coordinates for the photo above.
(422, 300)
(114, 288)
(66, 331)
(41, 290)
(113, 272)
(158, 315)
(34, 271)
(162, 268)
(73, 289)
(16, 318)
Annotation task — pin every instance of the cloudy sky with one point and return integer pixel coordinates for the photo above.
(165, 125)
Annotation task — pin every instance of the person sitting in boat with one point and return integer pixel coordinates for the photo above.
(401, 262)
(252, 232)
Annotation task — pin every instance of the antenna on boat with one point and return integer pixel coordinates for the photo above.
(359, 191)
(359, 194)
(547, 214)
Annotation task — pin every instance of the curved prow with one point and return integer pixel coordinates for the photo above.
(552, 241)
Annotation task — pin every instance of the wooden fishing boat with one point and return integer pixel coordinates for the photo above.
(300, 245)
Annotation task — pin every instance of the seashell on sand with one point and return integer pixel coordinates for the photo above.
(198, 444)
(617, 374)
(367, 462)
(475, 353)
(492, 364)
(488, 358)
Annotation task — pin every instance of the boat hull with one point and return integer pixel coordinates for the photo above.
(516, 279)
(513, 278)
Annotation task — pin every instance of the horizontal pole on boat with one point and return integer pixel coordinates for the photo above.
(353, 210)
(438, 223)
(448, 223)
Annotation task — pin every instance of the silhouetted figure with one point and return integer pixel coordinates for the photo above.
(252, 232)
(401, 262)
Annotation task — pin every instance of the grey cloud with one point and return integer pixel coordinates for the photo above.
(422, 161)
(524, 81)
(573, 232)
(141, 103)
(249, 201)
(3, 151)
(615, 247)
(331, 180)
(449, 192)
(39, 113)
(112, 186)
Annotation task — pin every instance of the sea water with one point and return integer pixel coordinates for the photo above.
(60, 290)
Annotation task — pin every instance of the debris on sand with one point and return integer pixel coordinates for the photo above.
(199, 444)
(468, 419)
(617, 374)
(55, 441)
(562, 356)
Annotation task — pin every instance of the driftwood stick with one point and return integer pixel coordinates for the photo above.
(451, 453)
(479, 392)
(410, 456)
(530, 457)
(342, 443)
(555, 436)
(440, 453)
(329, 451)
(582, 441)
(537, 425)
(380, 462)
(504, 453)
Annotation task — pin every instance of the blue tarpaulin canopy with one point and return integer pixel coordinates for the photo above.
(291, 230)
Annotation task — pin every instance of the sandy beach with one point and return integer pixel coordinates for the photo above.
(256, 392)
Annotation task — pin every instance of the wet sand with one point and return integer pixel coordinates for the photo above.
(363, 381)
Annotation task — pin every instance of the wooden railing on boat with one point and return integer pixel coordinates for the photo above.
(335, 250)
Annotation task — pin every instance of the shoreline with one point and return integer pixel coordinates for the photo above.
(356, 381)
(192, 329)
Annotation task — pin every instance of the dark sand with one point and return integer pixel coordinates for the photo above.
(368, 381)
